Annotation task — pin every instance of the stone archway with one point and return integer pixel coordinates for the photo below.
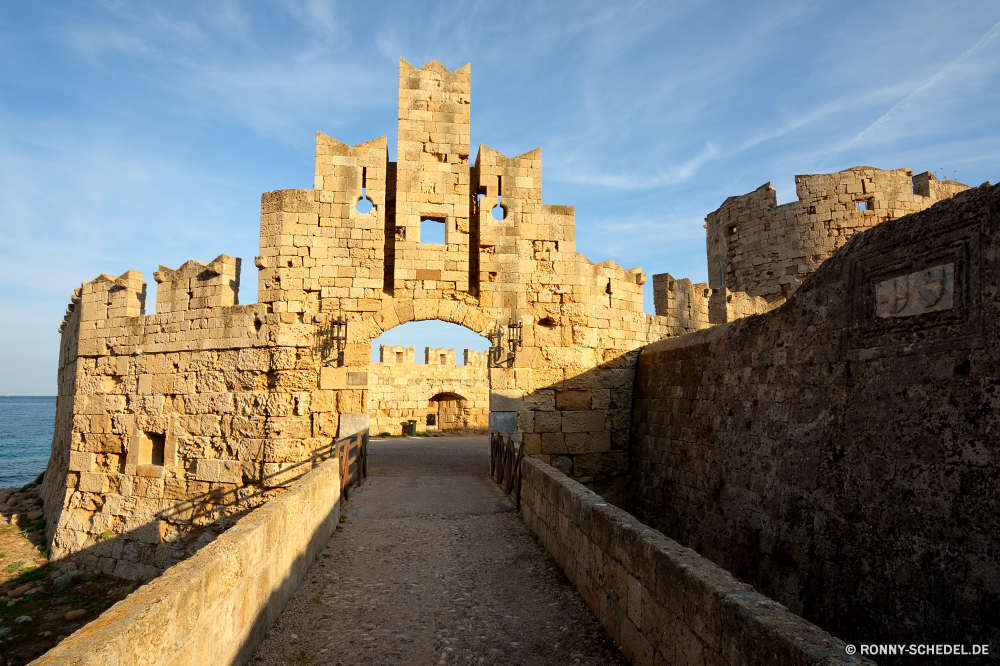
(403, 391)
(247, 396)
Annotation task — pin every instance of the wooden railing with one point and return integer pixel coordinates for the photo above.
(505, 465)
(352, 452)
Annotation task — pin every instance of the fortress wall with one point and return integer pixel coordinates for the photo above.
(660, 602)
(766, 250)
(171, 425)
(685, 305)
(458, 395)
(725, 305)
(839, 452)
(216, 607)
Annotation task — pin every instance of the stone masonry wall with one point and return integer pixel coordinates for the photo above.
(683, 304)
(171, 425)
(216, 607)
(400, 390)
(725, 305)
(660, 602)
(839, 453)
(763, 249)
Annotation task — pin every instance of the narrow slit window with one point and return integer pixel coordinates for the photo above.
(364, 204)
(499, 212)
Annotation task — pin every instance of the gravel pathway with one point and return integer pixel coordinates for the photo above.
(432, 566)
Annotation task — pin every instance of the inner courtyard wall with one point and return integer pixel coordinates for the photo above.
(457, 395)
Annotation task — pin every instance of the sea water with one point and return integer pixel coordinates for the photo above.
(26, 427)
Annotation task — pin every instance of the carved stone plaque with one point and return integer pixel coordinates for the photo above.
(928, 290)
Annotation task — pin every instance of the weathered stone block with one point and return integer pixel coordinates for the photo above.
(93, 482)
(588, 421)
(573, 400)
(506, 400)
(80, 461)
(218, 471)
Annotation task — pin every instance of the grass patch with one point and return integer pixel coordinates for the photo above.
(28, 574)
(11, 568)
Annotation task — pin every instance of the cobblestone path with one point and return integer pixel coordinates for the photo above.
(432, 566)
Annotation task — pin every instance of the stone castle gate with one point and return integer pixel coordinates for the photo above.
(169, 424)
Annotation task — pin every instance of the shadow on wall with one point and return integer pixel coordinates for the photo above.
(217, 606)
(181, 530)
(839, 453)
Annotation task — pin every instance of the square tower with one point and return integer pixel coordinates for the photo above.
(432, 179)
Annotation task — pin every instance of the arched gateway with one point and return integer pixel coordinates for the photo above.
(243, 397)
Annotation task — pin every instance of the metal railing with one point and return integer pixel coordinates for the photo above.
(505, 464)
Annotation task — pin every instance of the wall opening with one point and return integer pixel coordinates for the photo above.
(499, 212)
(866, 204)
(364, 204)
(437, 369)
(434, 334)
(151, 448)
(432, 230)
(447, 412)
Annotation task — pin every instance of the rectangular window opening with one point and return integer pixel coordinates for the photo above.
(432, 230)
(151, 447)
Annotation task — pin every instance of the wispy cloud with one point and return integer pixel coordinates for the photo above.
(942, 74)
(579, 174)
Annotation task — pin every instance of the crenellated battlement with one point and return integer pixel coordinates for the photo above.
(196, 286)
(214, 400)
(763, 249)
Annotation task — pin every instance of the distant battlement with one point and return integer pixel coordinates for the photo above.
(763, 249)
(399, 355)
(759, 252)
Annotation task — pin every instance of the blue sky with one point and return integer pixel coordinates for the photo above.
(134, 134)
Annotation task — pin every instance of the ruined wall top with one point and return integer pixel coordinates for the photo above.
(763, 249)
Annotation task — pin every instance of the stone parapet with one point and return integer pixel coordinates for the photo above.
(725, 305)
(763, 249)
(660, 602)
(216, 607)
(685, 305)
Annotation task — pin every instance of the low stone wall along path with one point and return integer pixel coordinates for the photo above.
(432, 566)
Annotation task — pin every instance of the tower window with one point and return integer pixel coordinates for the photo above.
(432, 230)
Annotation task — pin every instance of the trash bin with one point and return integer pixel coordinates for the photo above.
(413, 427)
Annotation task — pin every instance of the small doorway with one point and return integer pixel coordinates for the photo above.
(447, 412)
